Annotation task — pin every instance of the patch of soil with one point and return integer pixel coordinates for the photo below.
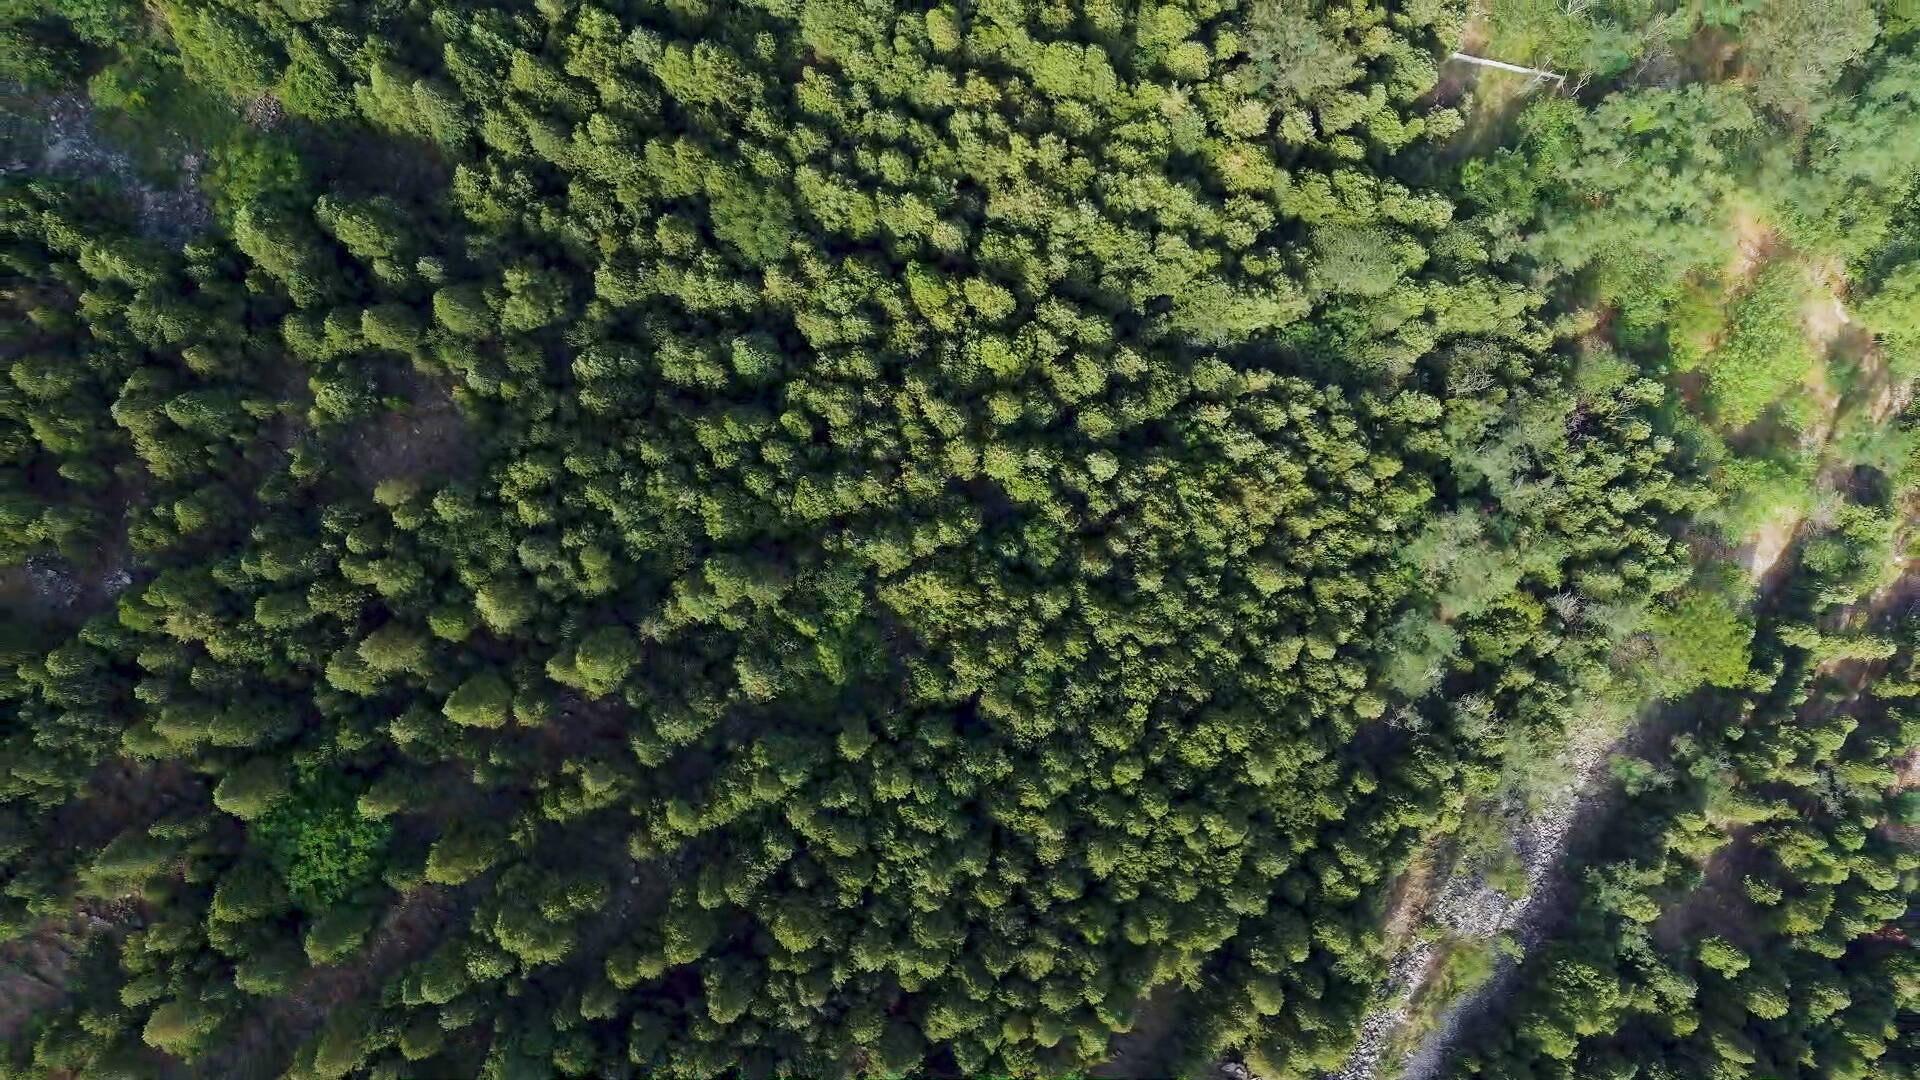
(424, 443)
(1407, 901)
(1554, 894)
(53, 593)
(37, 593)
(1407, 1032)
(1473, 33)
(1890, 399)
(1825, 315)
(1143, 1050)
(122, 793)
(1909, 778)
(1711, 55)
(1407, 975)
(1718, 907)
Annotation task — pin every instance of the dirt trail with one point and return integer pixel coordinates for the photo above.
(1825, 315)
(1552, 896)
(425, 442)
(1554, 900)
(266, 1035)
(1753, 244)
(1406, 975)
(1466, 908)
(1538, 914)
(1142, 1051)
(1909, 778)
(1851, 377)
(1763, 553)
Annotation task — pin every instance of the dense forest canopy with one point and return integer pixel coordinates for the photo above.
(837, 538)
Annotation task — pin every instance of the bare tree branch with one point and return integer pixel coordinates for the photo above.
(1504, 66)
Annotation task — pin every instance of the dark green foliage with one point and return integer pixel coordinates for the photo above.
(832, 539)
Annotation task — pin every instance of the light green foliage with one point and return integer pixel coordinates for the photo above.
(599, 662)
(252, 789)
(129, 864)
(1293, 57)
(334, 935)
(1759, 492)
(392, 326)
(1764, 355)
(1855, 556)
(1701, 636)
(99, 21)
(1893, 313)
(396, 648)
(250, 890)
(1722, 956)
(270, 971)
(1797, 48)
(451, 622)
(483, 701)
(181, 1027)
(504, 604)
(463, 853)
(324, 849)
(222, 48)
(251, 168)
(1603, 38)
(463, 309)
(312, 84)
(1634, 190)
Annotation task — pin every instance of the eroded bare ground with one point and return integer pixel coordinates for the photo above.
(1407, 974)
(1717, 906)
(1754, 243)
(56, 136)
(1466, 907)
(1551, 895)
(1538, 913)
(1446, 902)
(51, 591)
(1463, 907)
(1141, 1052)
(1762, 553)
